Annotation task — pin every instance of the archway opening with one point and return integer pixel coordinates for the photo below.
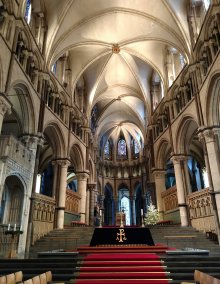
(124, 202)
(108, 206)
(12, 201)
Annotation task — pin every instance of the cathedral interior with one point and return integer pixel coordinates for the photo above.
(108, 107)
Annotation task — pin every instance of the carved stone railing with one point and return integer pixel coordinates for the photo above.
(72, 202)
(43, 216)
(12, 148)
(170, 199)
(201, 210)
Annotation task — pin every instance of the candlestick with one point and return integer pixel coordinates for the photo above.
(142, 212)
(15, 227)
(8, 227)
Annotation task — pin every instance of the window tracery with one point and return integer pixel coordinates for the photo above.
(122, 150)
(28, 11)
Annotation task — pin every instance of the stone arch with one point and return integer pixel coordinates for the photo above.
(108, 203)
(123, 184)
(91, 172)
(12, 203)
(163, 153)
(213, 100)
(1, 75)
(187, 128)
(55, 137)
(77, 157)
(22, 110)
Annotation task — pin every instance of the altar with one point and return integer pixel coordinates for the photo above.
(121, 236)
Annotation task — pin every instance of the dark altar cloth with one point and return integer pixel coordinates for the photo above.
(134, 235)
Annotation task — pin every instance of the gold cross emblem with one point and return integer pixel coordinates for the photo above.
(121, 236)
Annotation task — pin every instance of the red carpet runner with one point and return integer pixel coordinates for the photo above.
(122, 268)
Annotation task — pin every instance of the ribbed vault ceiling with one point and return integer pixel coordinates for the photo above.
(116, 46)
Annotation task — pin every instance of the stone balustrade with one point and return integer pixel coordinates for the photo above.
(201, 210)
(72, 202)
(170, 199)
(43, 215)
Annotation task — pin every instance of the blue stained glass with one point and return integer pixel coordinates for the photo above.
(136, 147)
(122, 147)
(107, 148)
(54, 68)
(28, 11)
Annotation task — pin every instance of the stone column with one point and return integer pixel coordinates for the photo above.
(159, 178)
(5, 106)
(91, 187)
(131, 210)
(188, 184)
(212, 145)
(63, 165)
(115, 207)
(180, 189)
(55, 174)
(87, 206)
(82, 186)
(134, 211)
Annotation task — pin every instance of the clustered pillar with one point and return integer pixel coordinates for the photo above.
(63, 166)
(177, 160)
(159, 177)
(82, 189)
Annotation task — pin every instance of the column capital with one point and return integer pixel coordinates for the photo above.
(5, 105)
(159, 173)
(208, 133)
(91, 186)
(63, 162)
(32, 140)
(83, 176)
(177, 158)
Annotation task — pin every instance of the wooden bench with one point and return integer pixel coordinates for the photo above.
(12, 278)
(184, 237)
(203, 278)
(43, 278)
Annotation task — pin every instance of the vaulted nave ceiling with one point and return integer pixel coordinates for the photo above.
(115, 47)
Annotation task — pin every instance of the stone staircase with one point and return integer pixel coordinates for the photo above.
(182, 267)
(64, 267)
(199, 242)
(66, 239)
(73, 237)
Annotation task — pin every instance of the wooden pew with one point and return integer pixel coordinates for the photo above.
(44, 278)
(203, 278)
(12, 278)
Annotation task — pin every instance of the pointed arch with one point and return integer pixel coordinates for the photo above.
(77, 158)
(213, 100)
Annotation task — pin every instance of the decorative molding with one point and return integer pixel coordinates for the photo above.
(177, 158)
(83, 176)
(5, 105)
(63, 162)
(115, 48)
(91, 186)
(159, 173)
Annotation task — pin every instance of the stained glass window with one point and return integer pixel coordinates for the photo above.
(136, 147)
(28, 11)
(206, 4)
(54, 68)
(107, 148)
(122, 148)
